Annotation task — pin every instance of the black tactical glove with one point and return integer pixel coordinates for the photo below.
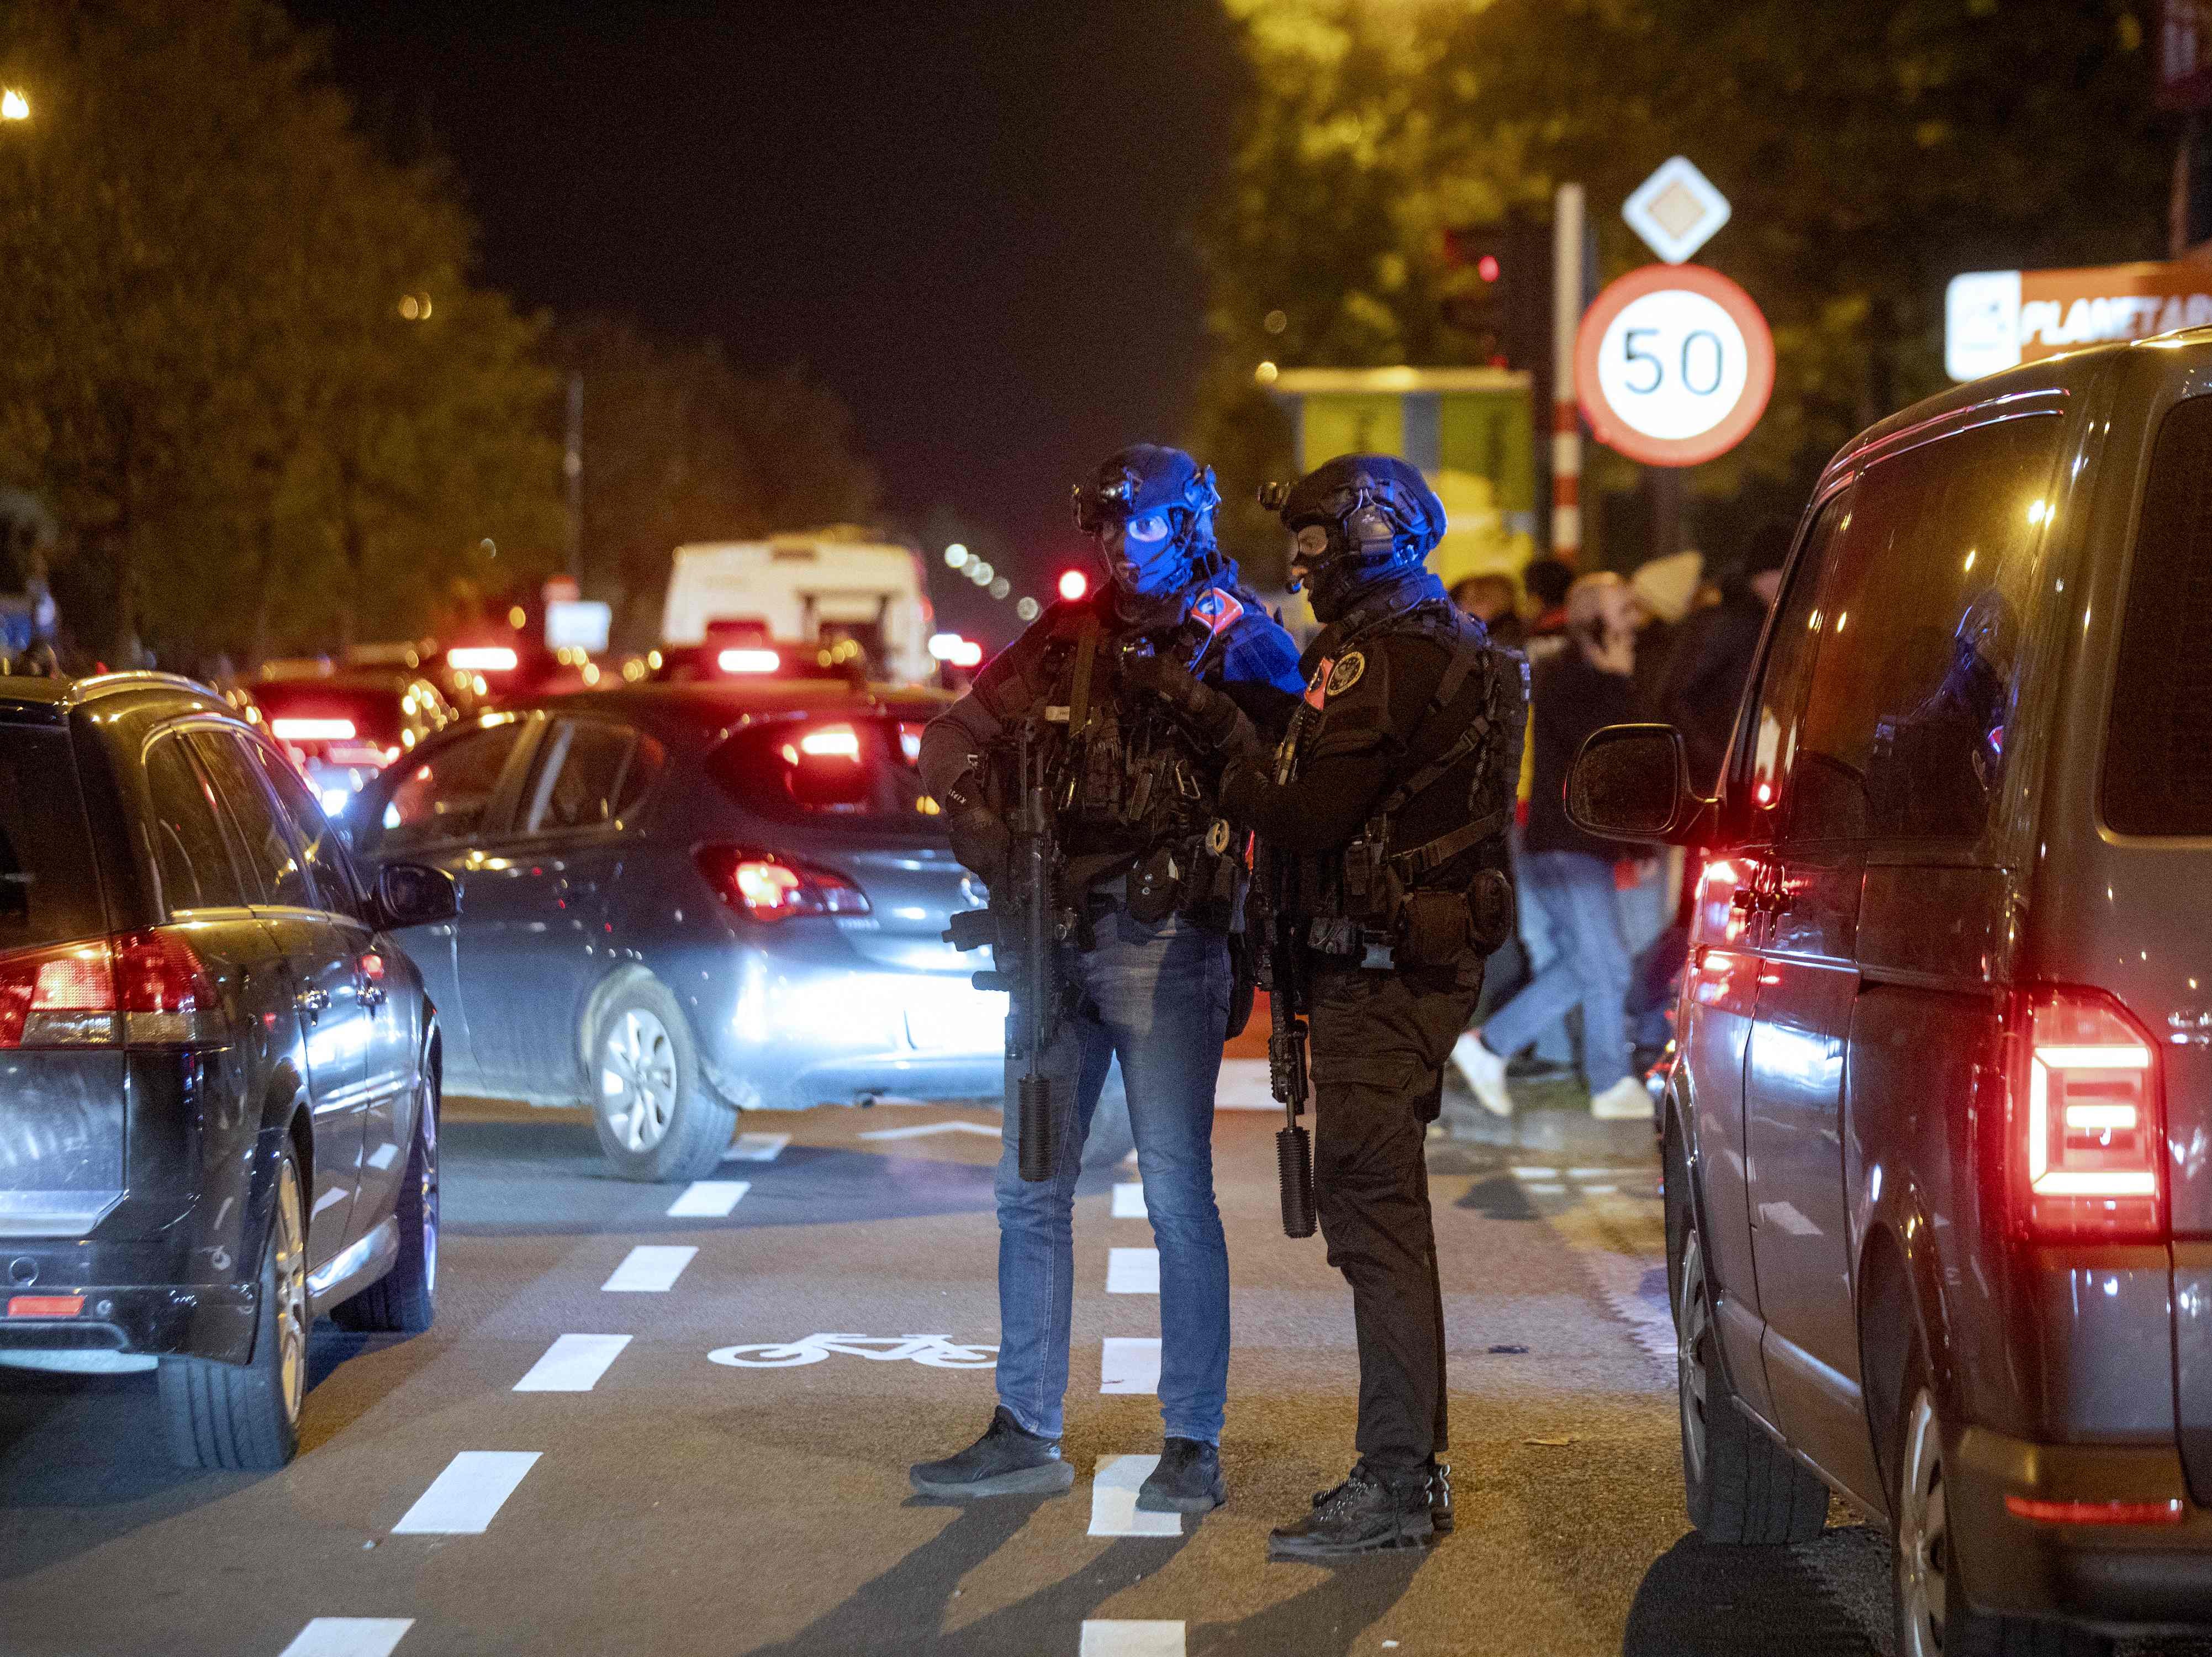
(981, 842)
(1209, 713)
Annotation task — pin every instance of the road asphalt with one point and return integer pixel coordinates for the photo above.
(507, 1484)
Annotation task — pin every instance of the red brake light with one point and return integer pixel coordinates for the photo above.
(64, 996)
(748, 661)
(2086, 1136)
(765, 887)
(2168, 1512)
(313, 730)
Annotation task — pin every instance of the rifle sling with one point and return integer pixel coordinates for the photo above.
(1079, 697)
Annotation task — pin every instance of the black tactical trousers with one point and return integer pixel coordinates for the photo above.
(1380, 1040)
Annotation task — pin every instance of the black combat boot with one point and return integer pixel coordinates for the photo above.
(1007, 1461)
(1440, 1509)
(1188, 1480)
(1368, 1512)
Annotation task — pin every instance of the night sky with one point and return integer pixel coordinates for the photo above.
(970, 218)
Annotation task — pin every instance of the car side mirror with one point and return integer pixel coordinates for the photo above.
(416, 895)
(1632, 782)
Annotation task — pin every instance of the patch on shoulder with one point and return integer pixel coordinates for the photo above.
(1349, 667)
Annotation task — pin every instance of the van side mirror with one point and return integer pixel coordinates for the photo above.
(416, 895)
(1632, 782)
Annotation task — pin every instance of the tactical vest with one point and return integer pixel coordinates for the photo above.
(1132, 791)
(1449, 898)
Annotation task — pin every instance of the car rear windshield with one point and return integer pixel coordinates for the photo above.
(49, 892)
(829, 769)
(308, 712)
(2158, 750)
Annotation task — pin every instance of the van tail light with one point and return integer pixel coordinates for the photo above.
(2085, 1131)
(149, 987)
(762, 886)
(2168, 1512)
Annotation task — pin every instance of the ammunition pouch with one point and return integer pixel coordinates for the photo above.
(1491, 906)
(1155, 887)
(1434, 929)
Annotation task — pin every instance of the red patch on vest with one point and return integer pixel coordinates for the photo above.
(1317, 691)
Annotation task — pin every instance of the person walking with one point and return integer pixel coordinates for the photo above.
(1571, 874)
(1148, 870)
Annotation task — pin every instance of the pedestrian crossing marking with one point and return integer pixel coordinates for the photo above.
(1130, 1365)
(756, 1148)
(348, 1636)
(1114, 1499)
(574, 1364)
(1107, 1637)
(1133, 1271)
(463, 1500)
(1129, 1201)
(649, 1269)
(708, 1199)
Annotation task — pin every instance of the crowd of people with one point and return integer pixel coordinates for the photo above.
(1603, 936)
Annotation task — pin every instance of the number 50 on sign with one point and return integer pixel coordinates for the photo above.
(1674, 365)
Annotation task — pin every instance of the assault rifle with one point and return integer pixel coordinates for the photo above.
(1286, 1048)
(1024, 922)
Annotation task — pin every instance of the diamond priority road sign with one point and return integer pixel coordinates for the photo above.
(1674, 365)
(1676, 210)
(1998, 319)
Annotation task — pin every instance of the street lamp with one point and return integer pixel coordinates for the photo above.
(13, 106)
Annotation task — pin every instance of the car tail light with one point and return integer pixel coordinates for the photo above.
(313, 730)
(482, 658)
(748, 661)
(45, 1306)
(762, 886)
(73, 994)
(2086, 1135)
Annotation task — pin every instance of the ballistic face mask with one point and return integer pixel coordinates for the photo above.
(1151, 509)
(1354, 520)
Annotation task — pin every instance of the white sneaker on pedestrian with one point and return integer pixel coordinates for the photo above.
(1624, 1100)
(1484, 1072)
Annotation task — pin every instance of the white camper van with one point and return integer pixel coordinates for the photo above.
(820, 586)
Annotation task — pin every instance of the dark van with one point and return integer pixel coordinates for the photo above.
(1938, 1139)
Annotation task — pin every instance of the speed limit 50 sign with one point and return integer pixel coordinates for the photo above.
(1674, 365)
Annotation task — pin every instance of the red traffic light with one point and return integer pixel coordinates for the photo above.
(1074, 583)
(1487, 267)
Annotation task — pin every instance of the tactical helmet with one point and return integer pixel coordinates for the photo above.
(1379, 513)
(1146, 478)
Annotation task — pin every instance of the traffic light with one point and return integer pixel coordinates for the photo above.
(1074, 583)
(1498, 291)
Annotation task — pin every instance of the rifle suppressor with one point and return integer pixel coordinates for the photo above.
(1034, 1125)
(1294, 1162)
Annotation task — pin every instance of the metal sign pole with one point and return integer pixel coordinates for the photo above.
(1566, 424)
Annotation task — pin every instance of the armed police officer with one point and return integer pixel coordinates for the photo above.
(1381, 817)
(1133, 885)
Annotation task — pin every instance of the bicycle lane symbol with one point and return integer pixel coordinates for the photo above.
(933, 1352)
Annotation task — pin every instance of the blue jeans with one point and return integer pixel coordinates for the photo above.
(1156, 997)
(1591, 969)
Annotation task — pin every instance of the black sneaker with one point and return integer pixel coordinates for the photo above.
(1188, 1480)
(1005, 1462)
(1366, 1514)
(1440, 1508)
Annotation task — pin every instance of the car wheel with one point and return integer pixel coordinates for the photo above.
(1933, 1618)
(247, 1416)
(656, 1118)
(1742, 1488)
(404, 1301)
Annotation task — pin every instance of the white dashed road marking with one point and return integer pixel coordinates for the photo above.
(1130, 1365)
(1536, 1173)
(1129, 1201)
(1104, 1638)
(574, 1364)
(1133, 1271)
(650, 1268)
(924, 1131)
(349, 1637)
(756, 1148)
(463, 1500)
(1114, 1500)
(708, 1199)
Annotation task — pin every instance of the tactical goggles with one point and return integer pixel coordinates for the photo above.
(1097, 505)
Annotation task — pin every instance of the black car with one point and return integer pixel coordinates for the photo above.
(1939, 1138)
(679, 900)
(218, 1072)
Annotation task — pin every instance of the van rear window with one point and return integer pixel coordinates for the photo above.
(49, 893)
(2158, 750)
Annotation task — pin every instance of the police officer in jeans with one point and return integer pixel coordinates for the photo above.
(1382, 820)
(1150, 867)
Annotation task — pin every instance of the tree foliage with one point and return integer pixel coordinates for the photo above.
(679, 447)
(212, 378)
(1871, 149)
